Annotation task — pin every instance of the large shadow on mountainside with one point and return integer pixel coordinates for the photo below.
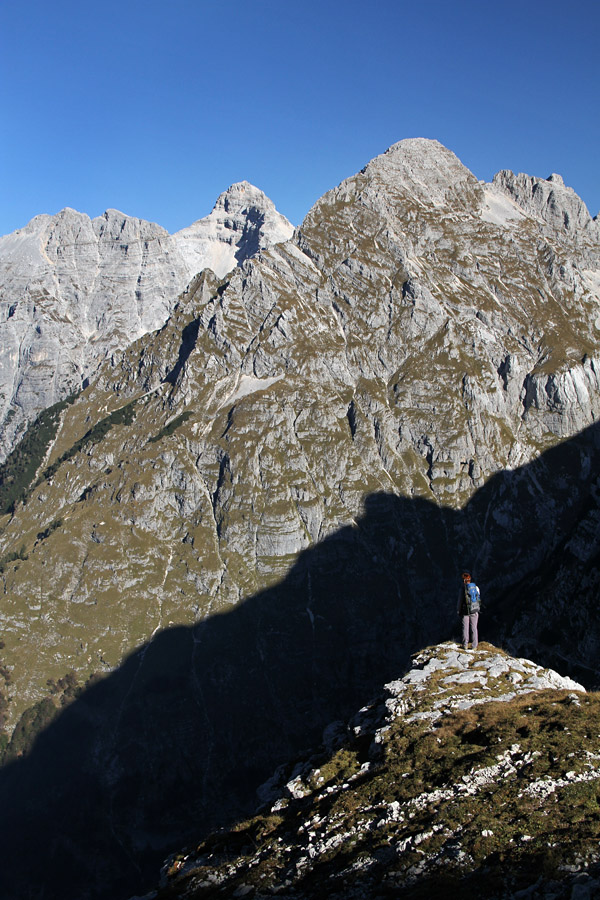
(178, 739)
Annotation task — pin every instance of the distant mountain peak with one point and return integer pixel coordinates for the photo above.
(244, 194)
(242, 222)
(105, 282)
(423, 167)
(417, 145)
(549, 199)
(240, 197)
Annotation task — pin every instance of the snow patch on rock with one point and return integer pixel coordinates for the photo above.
(249, 385)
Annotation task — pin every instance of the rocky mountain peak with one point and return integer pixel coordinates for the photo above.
(243, 195)
(75, 289)
(65, 214)
(242, 222)
(414, 179)
(422, 168)
(116, 225)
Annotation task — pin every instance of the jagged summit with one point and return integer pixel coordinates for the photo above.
(75, 289)
(66, 218)
(111, 214)
(243, 195)
(242, 222)
(549, 199)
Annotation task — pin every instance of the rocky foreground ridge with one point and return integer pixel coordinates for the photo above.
(251, 517)
(475, 772)
(74, 290)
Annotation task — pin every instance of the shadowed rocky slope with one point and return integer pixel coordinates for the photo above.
(179, 738)
(474, 775)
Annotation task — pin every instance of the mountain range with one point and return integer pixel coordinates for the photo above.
(240, 525)
(75, 289)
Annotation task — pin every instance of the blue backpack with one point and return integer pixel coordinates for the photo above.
(473, 597)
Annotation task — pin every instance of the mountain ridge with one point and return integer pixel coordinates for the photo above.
(77, 289)
(393, 802)
(255, 511)
(300, 332)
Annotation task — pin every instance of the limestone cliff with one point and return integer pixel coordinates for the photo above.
(75, 290)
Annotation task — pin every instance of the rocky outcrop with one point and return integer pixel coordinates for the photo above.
(75, 290)
(551, 201)
(461, 766)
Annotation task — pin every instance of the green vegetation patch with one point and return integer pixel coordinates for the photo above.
(12, 557)
(19, 470)
(53, 526)
(122, 416)
(169, 429)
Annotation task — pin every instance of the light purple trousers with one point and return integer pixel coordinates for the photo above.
(470, 621)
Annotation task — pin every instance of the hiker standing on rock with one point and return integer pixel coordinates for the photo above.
(469, 604)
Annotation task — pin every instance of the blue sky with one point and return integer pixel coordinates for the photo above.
(154, 108)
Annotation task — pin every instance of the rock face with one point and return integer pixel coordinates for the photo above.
(75, 290)
(243, 222)
(555, 204)
(251, 517)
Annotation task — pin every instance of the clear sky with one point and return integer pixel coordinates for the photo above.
(156, 106)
